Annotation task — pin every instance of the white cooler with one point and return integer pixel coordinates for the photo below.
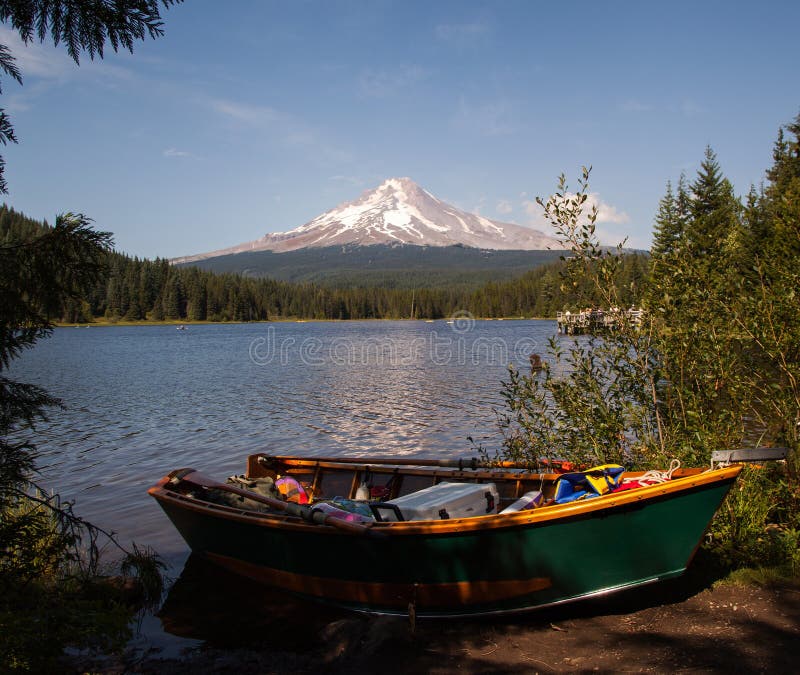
(441, 502)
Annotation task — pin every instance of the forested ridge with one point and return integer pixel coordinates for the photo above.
(395, 265)
(155, 290)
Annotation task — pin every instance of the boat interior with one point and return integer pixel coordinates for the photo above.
(392, 479)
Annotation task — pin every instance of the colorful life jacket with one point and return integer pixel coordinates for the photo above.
(587, 484)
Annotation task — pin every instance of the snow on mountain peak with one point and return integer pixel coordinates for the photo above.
(397, 211)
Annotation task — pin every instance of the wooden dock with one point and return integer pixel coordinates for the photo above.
(593, 321)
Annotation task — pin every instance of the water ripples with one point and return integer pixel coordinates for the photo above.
(143, 400)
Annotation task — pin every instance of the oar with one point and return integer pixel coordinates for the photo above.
(461, 464)
(197, 479)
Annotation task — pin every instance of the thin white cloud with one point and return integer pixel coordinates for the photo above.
(609, 218)
(461, 32)
(504, 206)
(613, 236)
(606, 213)
(634, 106)
(485, 119)
(24, 99)
(174, 152)
(43, 61)
(35, 59)
(386, 83)
(243, 112)
(291, 131)
(44, 67)
(536, 217)
(279, 127)
(690, 109)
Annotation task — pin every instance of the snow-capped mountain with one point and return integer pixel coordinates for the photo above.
(398, 211)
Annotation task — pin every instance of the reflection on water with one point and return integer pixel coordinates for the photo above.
(141, 401)
(225, 610)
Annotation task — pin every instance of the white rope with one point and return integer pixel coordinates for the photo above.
(655, 476)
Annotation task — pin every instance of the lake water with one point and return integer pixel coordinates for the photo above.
(143, 400)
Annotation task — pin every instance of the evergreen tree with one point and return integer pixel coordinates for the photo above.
(757, 223)
(683, 203)
(768, 310)
(783, 195)
(668, 226)
(44, 272)
(38, 272)
(172, 302)
(714, 210)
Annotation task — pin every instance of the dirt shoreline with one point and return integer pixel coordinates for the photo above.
(675, 626)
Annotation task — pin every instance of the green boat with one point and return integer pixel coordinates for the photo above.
(489, 563)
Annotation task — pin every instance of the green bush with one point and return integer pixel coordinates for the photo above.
(714, 364)
(52, 595)
(759, 523)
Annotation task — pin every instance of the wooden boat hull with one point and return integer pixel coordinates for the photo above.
(482, 565)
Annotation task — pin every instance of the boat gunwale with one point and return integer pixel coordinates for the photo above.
(583, 508)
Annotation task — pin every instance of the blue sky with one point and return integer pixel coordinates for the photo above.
(260, 118)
